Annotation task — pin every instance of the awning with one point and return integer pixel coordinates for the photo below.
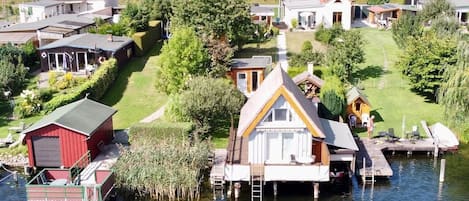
(306, 14)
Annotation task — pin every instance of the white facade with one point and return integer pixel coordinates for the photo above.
(40, 10)
(280, 138)
(33, 13)
(334, 11)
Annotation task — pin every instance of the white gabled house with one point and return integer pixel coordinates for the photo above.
(281, 138)
(311, 13)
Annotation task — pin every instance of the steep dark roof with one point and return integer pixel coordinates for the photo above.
(90, 41)
(254, 62)
(83, 116)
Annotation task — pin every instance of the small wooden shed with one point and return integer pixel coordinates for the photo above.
(358, 105)
(65, 135)
(248, 73)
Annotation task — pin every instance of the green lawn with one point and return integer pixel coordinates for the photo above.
(133, 93)
(268, 48)
(295, 41)
(388, 92)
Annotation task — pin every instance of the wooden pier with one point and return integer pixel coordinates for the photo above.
(371, 153)
(218, 168)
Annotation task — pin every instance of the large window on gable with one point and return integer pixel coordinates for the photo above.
(281, 114)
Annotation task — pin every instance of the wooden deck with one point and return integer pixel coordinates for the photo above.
(218, 168)
(372, 151)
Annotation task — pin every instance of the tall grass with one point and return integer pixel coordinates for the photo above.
(162, 167)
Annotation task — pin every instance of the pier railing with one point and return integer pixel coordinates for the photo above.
(55, 184)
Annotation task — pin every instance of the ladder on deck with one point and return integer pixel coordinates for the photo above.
(257, 181)
(218, 188)
(366, 175)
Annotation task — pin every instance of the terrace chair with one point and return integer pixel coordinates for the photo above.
(391, 136)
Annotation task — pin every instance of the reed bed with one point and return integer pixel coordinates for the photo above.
(162, 167)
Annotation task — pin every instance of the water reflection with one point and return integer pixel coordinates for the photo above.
(415, 178)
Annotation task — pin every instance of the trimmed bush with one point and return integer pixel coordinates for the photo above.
(144, 41)
(294, 23)
(96, 86)
(160, 130)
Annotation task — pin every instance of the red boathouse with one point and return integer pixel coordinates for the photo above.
(65, 135)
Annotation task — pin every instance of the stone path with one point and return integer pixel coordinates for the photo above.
(282, 50)
(156, 115)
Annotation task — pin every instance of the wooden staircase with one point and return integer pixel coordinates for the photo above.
(257, 181)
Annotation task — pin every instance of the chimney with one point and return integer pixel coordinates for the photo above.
(110, 38)
(311, 68)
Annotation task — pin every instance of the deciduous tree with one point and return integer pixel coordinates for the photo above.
(182, 57)
(436, 8)
(405, 27)
(209, 102)
(424, 61)
(226, 19)
(345, 53)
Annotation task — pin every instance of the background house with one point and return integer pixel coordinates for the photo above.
(43, 9)
(85, 52)
(383, 14)
(311, 13)
(262, 14)
(48, 30)
(62, 137)
(358, 105)
(248, 74)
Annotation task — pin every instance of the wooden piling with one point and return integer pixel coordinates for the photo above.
(316, 190)
(442, 170)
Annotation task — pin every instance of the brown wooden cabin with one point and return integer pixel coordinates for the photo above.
(248, 73)
(358, 105)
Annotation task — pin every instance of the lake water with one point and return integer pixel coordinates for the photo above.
(415, 178)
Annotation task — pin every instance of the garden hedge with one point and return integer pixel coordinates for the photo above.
(160, 130)
(144, 41)
(96, 86)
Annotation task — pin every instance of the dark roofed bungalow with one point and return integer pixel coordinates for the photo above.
(85, 52)
(65, 135)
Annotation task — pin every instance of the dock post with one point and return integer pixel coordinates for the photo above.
(316, 190)
(275, 188)
(15, 176)
(237, 189)
(230, 187)
(372, 172)
(435, 153)
(364, 170)
(442, 170)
